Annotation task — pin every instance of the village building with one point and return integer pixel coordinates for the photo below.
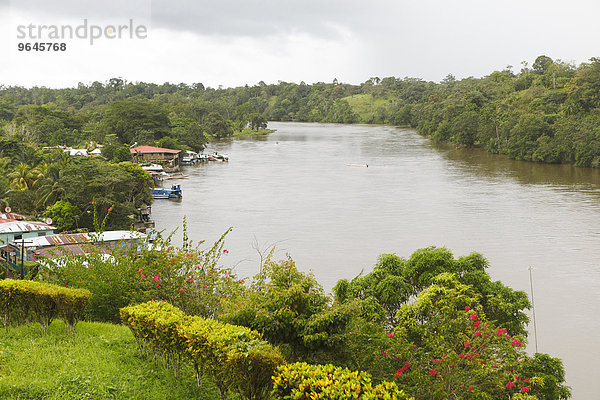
(169, 157)
(37, 249)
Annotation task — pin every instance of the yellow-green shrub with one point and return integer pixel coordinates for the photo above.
(301, 381)
(42, 301)
(234, 357)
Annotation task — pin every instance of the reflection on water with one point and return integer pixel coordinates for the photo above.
(295, 187)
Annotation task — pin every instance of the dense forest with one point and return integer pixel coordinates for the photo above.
(546, 112)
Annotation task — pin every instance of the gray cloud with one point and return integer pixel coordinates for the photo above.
(248, 18)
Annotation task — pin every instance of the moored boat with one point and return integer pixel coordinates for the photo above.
(173, 193)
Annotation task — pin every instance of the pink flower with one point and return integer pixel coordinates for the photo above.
(476, 324)
(473, 316)
(398, 373)
(470, 388)
(432, 372)
(156, 278)
(477, 333)
(524, 389)
(516, 343)
(204, 287)
(500, 331)
(391, 334)
(181, 289)
(467, 308)
(467, 344)
(225, 251)
(140, 270)
(190, 280)
(437, 360)
(510, 385)
(142, 277)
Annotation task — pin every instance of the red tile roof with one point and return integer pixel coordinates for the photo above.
(152, 149)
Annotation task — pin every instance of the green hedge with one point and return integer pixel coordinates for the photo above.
(234, 357)
(305, 381)
(22, 300)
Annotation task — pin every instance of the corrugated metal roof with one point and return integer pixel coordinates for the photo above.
(24, 226)
(152, 149)
(80, 238)
(68, 249)
(15, 216)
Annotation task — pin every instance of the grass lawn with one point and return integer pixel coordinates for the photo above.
(365, 104)
(100, 362)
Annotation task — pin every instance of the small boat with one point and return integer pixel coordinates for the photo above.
(173, 193)
(153, 168)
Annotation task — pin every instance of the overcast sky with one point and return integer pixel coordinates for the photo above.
(232, 43)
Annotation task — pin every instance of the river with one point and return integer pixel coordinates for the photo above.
(302, 189)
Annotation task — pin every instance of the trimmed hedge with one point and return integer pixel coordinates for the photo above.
(21, 300)
(234, 357)
(301, 381)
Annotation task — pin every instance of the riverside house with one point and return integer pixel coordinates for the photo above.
(38, 249)
(150, 154)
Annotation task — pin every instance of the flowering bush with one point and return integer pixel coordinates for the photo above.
(188, 276)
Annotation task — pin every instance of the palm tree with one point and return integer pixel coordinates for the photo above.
(23, 177)
(48, 187)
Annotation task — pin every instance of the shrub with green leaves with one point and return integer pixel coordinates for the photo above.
(301, 381)
(21, 300)
(234, 357)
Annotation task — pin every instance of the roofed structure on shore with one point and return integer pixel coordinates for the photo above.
(151, 153)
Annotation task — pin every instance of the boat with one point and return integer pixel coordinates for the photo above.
(173, 193)
(153, 168)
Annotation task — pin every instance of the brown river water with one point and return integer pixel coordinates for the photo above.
(304, 188)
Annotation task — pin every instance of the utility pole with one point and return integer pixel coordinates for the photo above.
(533, 308)
(22, 269)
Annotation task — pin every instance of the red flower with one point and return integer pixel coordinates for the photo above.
(181, 289)
(516, 343)
(510, 385)
(142, 277)
(432, 372)
(437, 360)
(467, 308)
(110, 209)
(526, 380)
(398, 373)
(477, 333)
(473, 316)
(500, 331)
(524, 389)
(470, 388)
(225, 251)
(467, 344)
(476, 324)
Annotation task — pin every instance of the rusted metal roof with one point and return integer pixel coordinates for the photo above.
(65, 250)
(13, 216)
(152, 149)
(81, 238)
(24, 226)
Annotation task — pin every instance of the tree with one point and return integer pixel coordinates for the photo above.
(135, 120)
(215, 125)
(257, 121)
(64, 215)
